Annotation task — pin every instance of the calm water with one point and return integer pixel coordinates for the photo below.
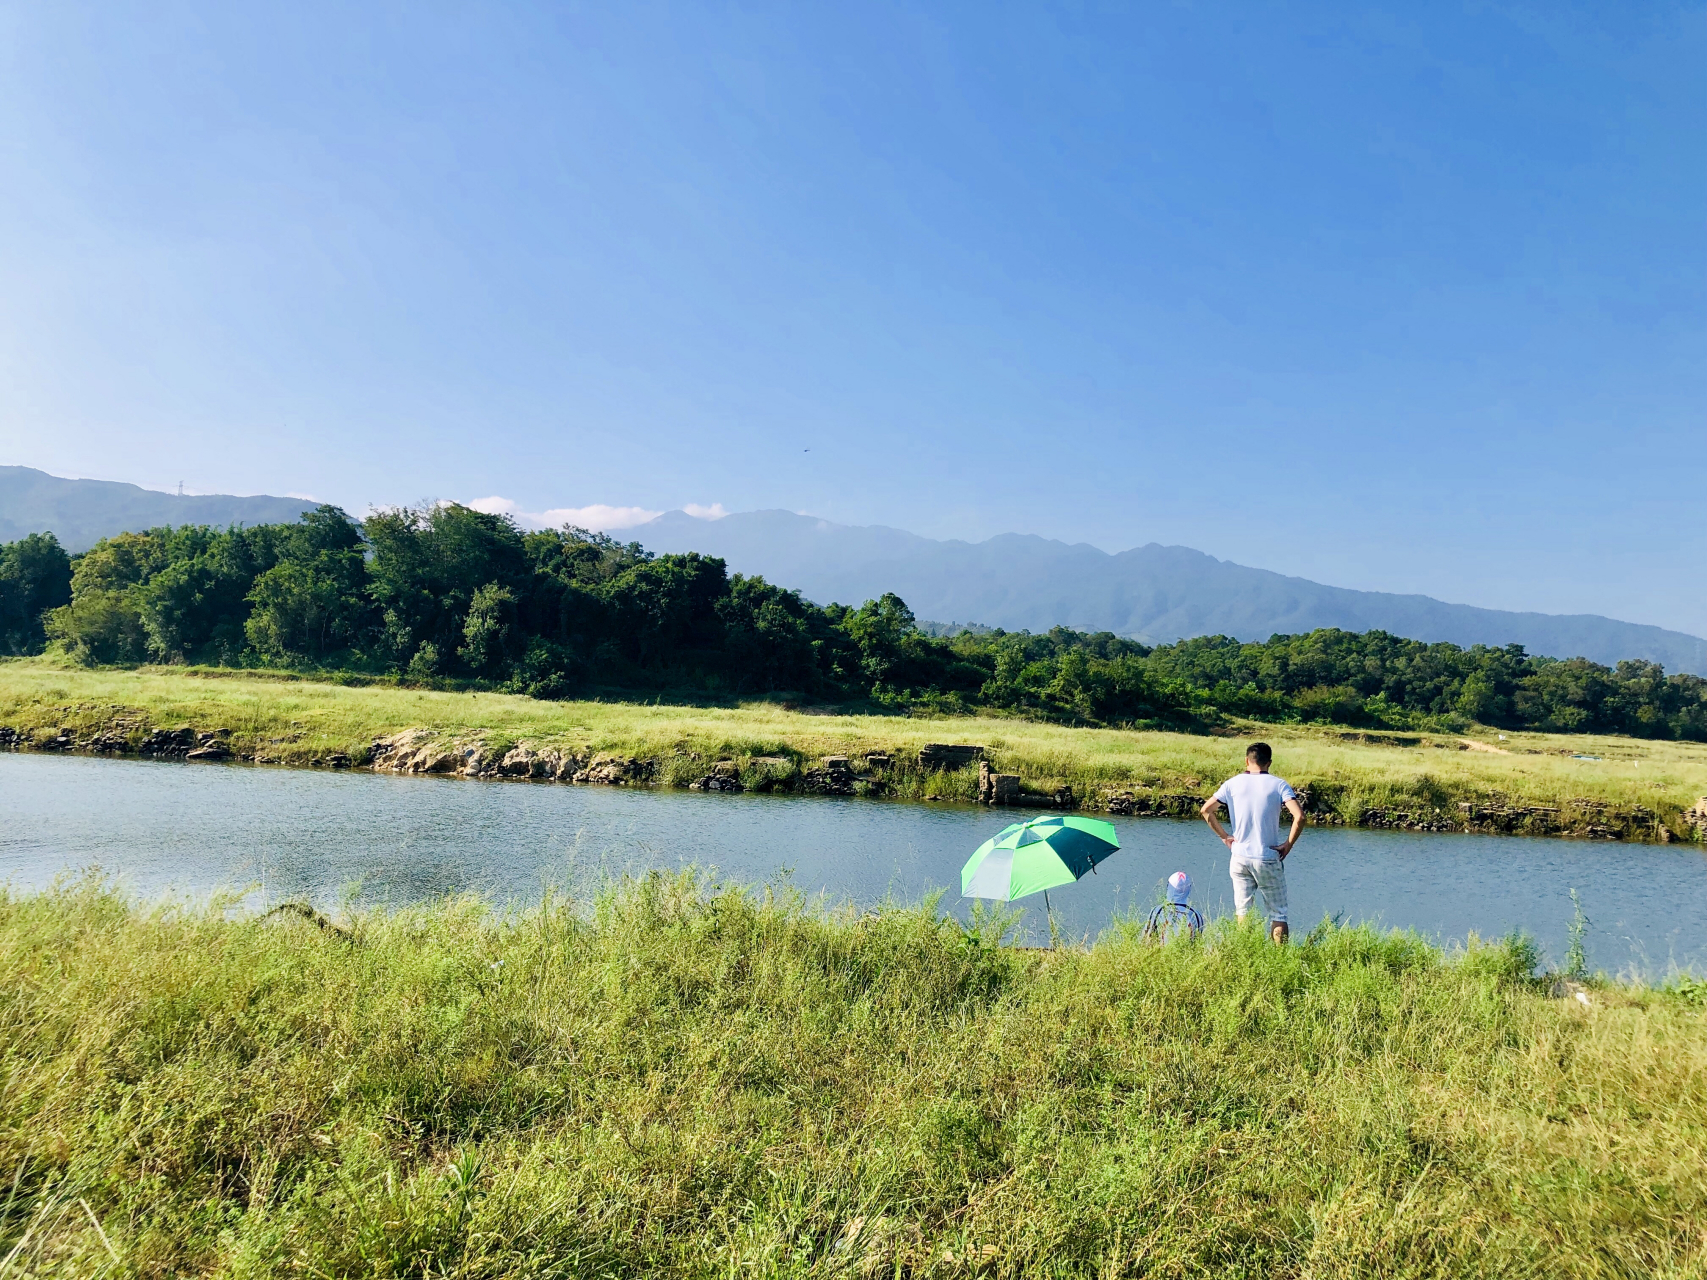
(164, 826)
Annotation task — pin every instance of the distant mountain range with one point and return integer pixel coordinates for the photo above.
(82, 512)
(1154, 593)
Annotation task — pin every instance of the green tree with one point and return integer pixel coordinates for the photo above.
(103, 622)
(293, 609)
(664, 611)
(769, 638)
(194, 604)
(35, 576)
(488, 629)
(313, 601)
(99, 627)
(426, 566)
(563, 605)
(1478, 699)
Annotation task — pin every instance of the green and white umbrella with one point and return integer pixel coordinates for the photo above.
(1030, 857)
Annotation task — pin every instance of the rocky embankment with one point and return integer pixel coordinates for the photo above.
(955, 771)
(126, 737)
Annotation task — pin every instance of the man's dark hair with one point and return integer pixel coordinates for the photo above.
(1259, 751)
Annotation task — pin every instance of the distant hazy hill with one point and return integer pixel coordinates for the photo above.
(82, 512)
(1155, 593)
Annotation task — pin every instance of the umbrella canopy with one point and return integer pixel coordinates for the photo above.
(1030, 857)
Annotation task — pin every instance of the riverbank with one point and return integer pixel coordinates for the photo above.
(1539, 784)
(683, 1082)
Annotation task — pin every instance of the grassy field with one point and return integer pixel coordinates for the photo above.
(683, 1082)
(298, 721)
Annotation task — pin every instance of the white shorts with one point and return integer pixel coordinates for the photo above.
(1250, 876)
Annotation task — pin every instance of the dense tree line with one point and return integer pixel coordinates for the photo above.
(444, 594)
(1379, 679)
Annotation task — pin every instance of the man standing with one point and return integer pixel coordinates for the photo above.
(1254, 800)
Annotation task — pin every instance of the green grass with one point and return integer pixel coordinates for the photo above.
(681, 1081)
(293, 720)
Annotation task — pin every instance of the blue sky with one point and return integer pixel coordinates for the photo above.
(1408, 298)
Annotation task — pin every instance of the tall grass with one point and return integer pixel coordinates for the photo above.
(677, 1079)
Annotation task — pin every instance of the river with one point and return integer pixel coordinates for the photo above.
(161, 827)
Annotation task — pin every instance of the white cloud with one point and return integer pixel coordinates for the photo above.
(302, 497)
(494, 506)
(598, 516)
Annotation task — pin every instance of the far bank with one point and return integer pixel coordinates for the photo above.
(1522, 783)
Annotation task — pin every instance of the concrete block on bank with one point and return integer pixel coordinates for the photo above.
(944, 755)
(1696, 816)
(997, 788)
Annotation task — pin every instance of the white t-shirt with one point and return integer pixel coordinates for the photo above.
(1255, 801)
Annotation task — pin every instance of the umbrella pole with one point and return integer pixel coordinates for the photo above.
(1049, 911)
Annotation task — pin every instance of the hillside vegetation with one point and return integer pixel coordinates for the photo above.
(449, 597)
(1634, 785)
(690, 1082)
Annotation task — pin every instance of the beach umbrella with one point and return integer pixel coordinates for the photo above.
(1035, 856)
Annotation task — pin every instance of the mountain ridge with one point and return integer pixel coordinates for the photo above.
(82, 512)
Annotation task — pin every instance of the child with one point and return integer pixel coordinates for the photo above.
(1176, 916)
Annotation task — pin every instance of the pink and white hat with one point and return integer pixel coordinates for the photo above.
(1179, 887)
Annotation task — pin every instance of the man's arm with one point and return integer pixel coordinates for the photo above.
(1213, 818)
(1297, 812)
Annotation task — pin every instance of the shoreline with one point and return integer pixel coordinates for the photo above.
(1186, 811)
(1538, 785)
